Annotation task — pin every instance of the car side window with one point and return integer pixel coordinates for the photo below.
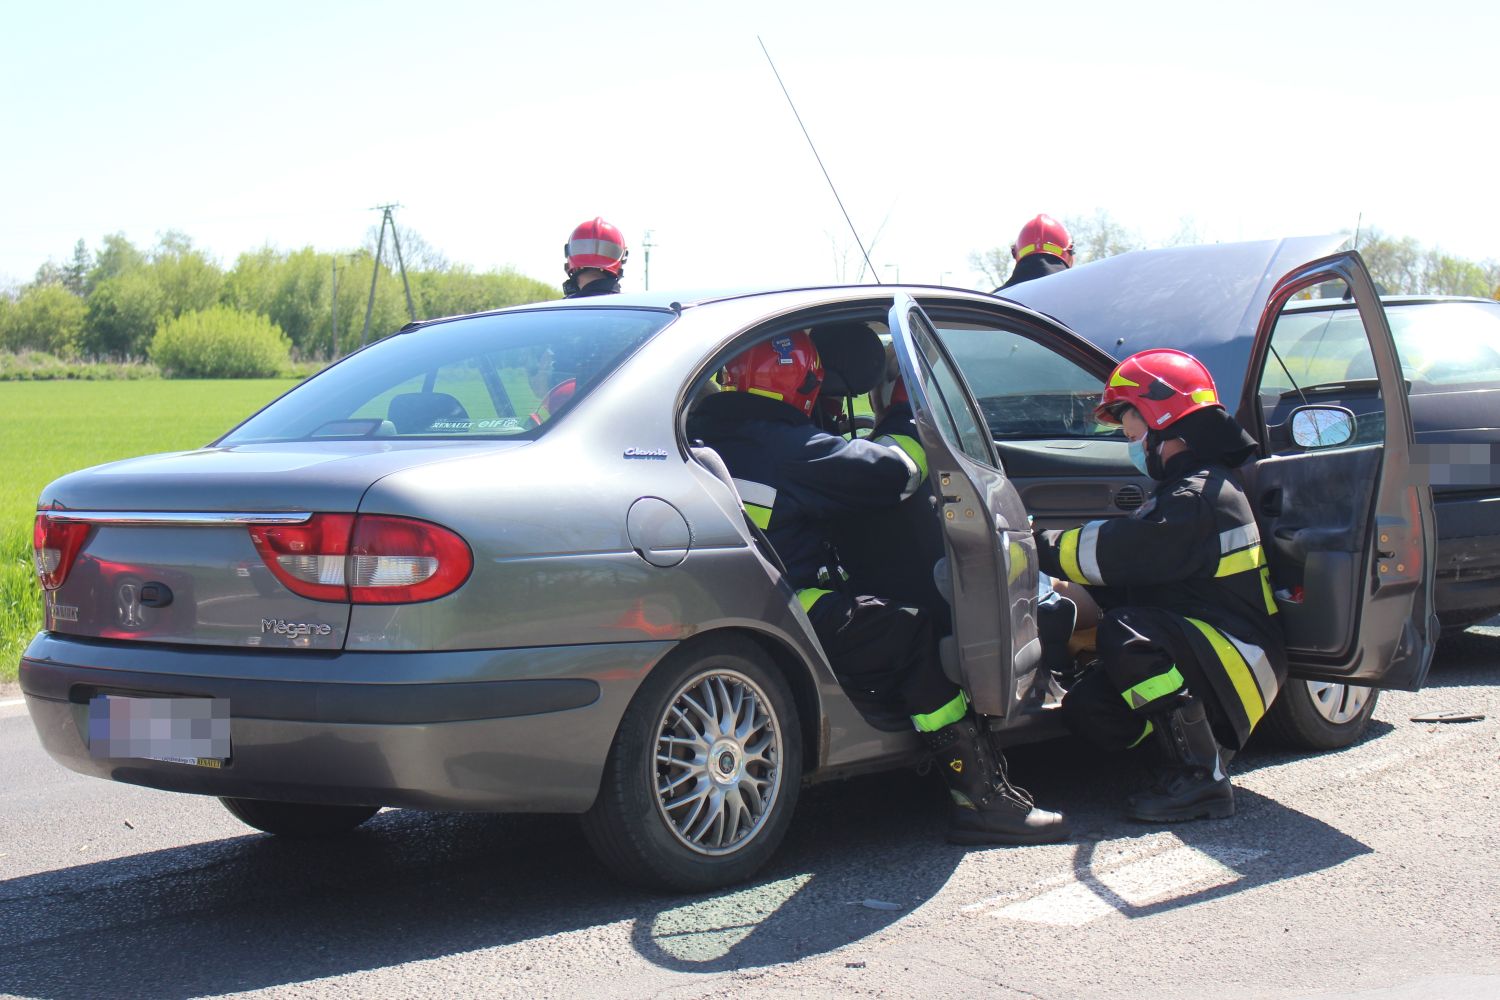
(1025, 389)
(955, 413)
(1320, 355)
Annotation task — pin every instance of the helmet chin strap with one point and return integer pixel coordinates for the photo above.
(1154, 467)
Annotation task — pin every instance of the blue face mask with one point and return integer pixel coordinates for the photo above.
(1138, 455)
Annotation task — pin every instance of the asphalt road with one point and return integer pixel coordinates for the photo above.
(1368, 874)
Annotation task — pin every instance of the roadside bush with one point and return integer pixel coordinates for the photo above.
(37, 366)
(220, 343)
(46, 318)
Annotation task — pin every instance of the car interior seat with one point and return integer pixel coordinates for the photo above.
(416, 412)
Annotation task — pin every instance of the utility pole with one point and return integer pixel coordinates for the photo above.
(646, 245)
(333, 346)
(385, 217)
(349, 259)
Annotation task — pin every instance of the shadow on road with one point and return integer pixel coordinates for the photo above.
(254, 912)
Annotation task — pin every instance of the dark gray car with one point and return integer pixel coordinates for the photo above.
(478, 565)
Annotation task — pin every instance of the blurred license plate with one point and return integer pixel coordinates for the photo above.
(181, 730)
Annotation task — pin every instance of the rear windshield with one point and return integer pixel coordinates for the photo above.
(1441, 344)
(504, 376)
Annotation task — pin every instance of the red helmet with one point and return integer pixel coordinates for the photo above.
(1044, 234)
(556, 396)
(786, 367)
(595, 243)
(1162, 384)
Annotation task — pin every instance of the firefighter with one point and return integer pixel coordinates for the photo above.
(792, 478)
(1190, 651)
(1042, 248)
(596, 254)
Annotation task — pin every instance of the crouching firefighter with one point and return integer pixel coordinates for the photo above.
(792, 478)
(1190, 651)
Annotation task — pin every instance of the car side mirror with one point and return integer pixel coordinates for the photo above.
(1322, 426)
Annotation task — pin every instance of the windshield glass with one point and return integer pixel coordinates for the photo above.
(504, 376)
(1025, 390)
(1441, 344)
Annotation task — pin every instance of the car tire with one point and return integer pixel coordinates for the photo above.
(298, 819)
(687, 802)
(1315, 715)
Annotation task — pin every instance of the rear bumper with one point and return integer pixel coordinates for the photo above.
(1466, 587)
(517, 730)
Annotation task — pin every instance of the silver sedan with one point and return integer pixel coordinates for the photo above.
(480, 566)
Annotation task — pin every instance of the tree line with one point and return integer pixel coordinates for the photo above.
(110, 303)
(1400, 265)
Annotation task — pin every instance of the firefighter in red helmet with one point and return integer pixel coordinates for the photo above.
(1042, 248)
(1190, 649)
(794, 479)
(596, 254)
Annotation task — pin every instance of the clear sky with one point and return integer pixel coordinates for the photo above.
(945, 125)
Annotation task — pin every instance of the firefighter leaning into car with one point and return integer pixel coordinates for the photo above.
(1042, 248)
(793, 478)
(595, 262)
(1190, 651)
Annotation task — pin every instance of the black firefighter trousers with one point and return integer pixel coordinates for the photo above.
(884, 650)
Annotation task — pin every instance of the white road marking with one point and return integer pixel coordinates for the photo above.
(13, 706)
(1123, 882)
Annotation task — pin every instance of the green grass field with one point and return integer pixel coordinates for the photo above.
(48, 429)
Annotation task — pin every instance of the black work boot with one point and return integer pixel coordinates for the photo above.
(987, 808)
(1193, 783)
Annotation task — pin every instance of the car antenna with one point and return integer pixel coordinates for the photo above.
(873, 273)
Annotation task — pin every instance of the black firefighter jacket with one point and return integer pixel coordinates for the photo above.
(1192, 549)
(793, 478)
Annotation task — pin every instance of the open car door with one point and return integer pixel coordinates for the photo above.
(1347, 522)
(991, 558)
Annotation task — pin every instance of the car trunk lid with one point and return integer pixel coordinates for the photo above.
(167, 551)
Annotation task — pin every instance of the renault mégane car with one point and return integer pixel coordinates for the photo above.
(479, 565)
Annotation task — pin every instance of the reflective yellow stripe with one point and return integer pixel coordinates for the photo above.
(1144, 733)
(808, 596)
(1242, 561)
(1017, 562)
(945, 716)
(1067, 554)
(759, 516)
(1046, 247)
(767, 393)
(1237, 669)
(913, 449)
(1117, 380)
(1203, 396)
(1153, 688)
(1265, 588)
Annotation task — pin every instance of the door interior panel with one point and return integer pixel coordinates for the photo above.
(1314, 511)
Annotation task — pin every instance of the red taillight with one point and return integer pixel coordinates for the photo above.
(398, 560)
(308, 558)
(365, 559)
(55, 545)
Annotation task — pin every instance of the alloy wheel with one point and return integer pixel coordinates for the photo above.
(717, 762)
(1338, 703)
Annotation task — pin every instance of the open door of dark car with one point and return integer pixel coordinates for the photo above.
(1348, 523)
